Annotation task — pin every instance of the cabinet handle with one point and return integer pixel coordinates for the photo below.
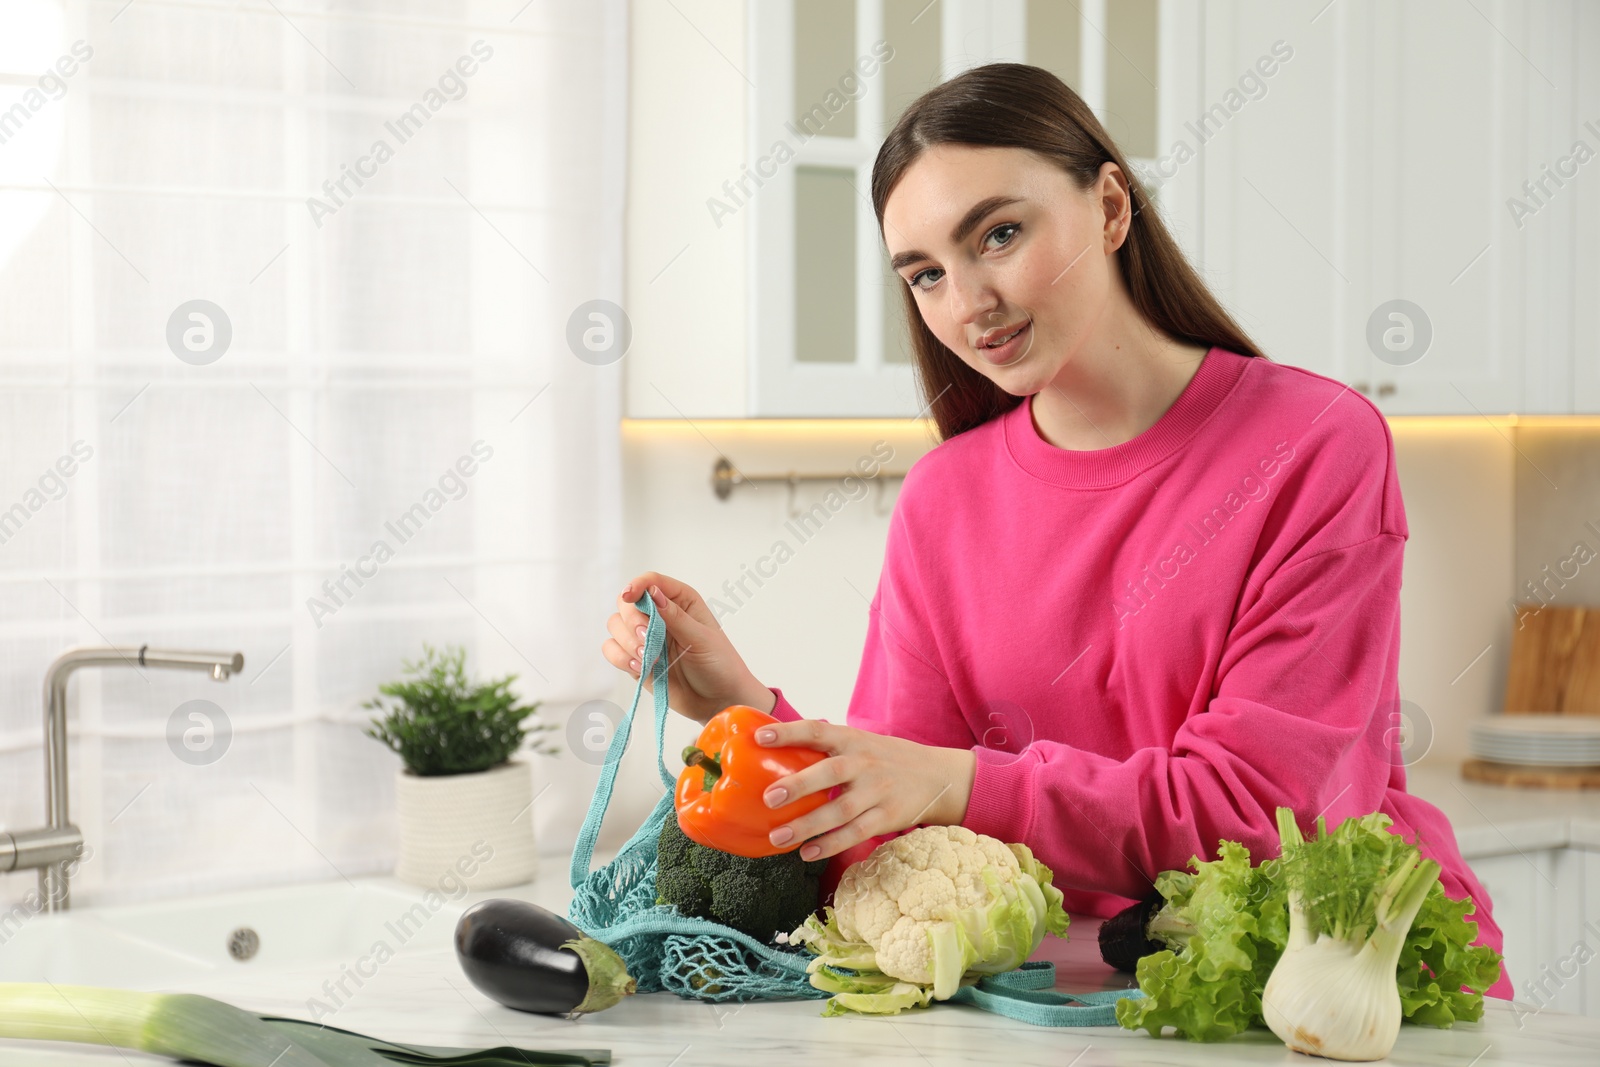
(1386, 389)
(1361, 387)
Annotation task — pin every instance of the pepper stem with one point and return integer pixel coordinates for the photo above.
(694, 757)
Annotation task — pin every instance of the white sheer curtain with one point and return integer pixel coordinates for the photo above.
(164, 151)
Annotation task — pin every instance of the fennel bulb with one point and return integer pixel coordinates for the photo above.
(1334, 991)
(1226, 923)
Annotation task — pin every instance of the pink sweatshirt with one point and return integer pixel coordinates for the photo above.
(1152, 646)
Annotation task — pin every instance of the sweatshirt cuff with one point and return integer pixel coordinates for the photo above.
(1001, 805)
(783, 711)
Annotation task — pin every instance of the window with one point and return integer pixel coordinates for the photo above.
(366, 333)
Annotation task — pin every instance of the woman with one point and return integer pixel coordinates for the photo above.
(1144, 591)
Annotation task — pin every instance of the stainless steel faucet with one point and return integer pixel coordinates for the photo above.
(58, 841)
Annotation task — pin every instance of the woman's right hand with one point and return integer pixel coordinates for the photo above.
(704, 673)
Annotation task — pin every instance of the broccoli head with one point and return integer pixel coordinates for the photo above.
(758, 897)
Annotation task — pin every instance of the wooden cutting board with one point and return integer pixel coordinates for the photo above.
(1554, 670)
(1482, 770)
(1555, 662)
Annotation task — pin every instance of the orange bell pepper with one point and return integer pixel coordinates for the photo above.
(719, 792)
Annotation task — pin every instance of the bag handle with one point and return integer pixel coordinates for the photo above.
(654, 661)
(1026, 994)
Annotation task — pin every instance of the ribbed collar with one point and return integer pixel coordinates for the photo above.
(1102, 468)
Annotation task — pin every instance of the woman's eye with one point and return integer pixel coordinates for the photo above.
(1006, 232)
(1008, 228)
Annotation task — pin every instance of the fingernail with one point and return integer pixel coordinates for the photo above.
(781, 836)
(776, 797)
(655, 590)
(766, 737)
(633, 664)
(810, 852)
(639, 630)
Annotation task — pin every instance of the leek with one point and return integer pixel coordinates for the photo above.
(201, 1030)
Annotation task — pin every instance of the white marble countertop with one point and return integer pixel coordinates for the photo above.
(421, 996)
(1490, 820)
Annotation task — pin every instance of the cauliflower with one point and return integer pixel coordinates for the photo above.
(927, 912)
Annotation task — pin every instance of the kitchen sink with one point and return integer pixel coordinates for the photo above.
(164, 944)
(67, 948)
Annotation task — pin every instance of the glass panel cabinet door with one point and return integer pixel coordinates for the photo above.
(824, 265)
(830, 323)
(821, 343)
(824, 45)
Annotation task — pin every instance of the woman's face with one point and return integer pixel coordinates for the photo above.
(997, 243)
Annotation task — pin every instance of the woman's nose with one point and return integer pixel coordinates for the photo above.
(970, 298)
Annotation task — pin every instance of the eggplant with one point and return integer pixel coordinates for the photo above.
(534, 960)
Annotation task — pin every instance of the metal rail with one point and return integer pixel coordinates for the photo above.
(725, 477)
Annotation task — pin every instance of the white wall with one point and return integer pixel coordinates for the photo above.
(1457, 477)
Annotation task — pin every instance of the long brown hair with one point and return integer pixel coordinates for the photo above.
(1014, 105)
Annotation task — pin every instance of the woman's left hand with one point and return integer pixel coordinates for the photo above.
(888, 784)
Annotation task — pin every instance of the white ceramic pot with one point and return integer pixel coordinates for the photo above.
(474, 828)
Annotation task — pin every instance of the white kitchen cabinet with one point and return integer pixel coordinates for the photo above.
(1316, 162)
(1559, 929)
(1585, 224)
(1513, 882)
(826, 324)
(1574, 930)
(1385, 161)
(1590, 978)
(1547, 902)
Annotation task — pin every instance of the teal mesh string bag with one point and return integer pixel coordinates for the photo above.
(704, 960)
(616, 903)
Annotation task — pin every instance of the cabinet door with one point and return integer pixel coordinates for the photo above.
(1273, 154)
(1359, 213)
(1563, 971)
(827, 328)
(1585, 928)
(1585, 223)
(1520, 886)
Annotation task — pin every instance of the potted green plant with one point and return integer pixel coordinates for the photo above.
(465, 804)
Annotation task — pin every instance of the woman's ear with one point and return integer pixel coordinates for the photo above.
(1117, 233)
(1114, 203)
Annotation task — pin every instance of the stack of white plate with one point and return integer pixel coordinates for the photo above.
(1539, 740)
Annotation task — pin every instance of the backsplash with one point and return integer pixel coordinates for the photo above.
(1557, 558)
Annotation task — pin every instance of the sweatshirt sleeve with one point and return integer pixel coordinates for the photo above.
(1290, 722)
(783, 711)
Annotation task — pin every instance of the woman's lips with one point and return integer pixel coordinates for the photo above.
(1011, 349)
